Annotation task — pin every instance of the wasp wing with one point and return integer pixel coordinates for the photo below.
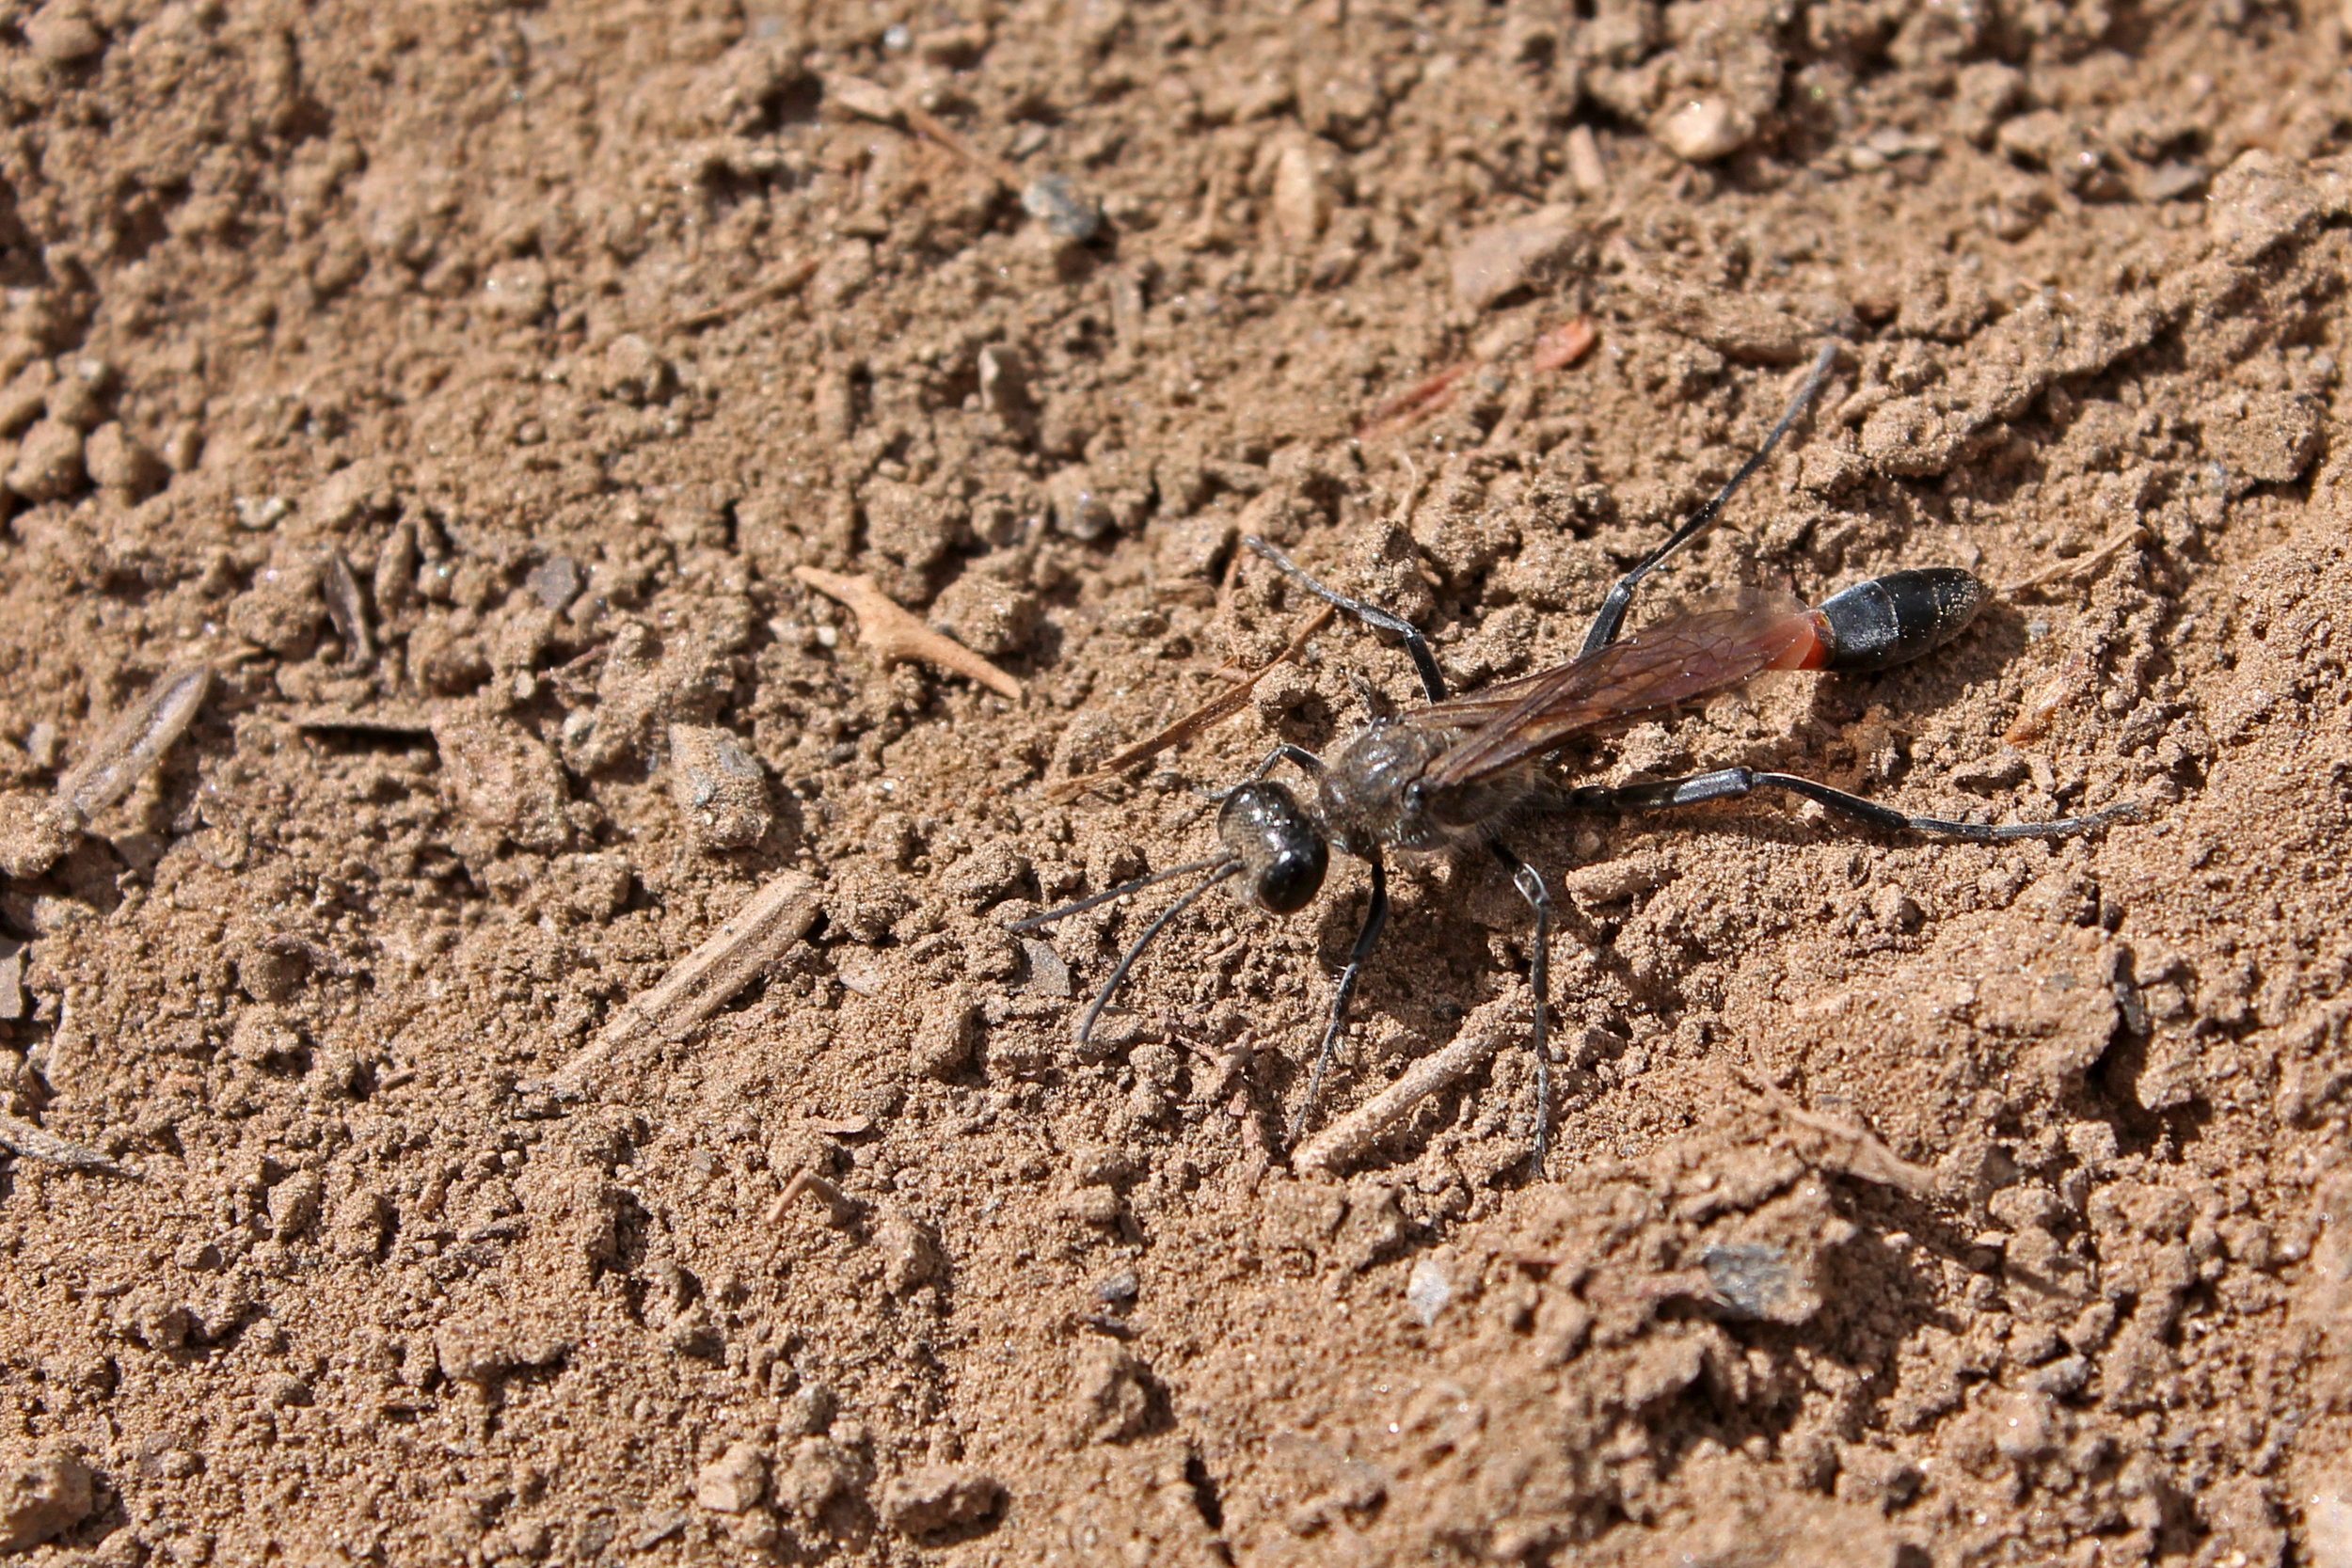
(1680, 658)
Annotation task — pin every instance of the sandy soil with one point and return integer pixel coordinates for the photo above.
(463, 386)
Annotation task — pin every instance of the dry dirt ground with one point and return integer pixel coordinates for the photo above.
(464, 383)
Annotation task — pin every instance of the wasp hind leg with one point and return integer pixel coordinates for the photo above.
(1531, 888)
(1732, 783)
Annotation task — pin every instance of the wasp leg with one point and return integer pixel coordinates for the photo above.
(1425, 662)
(1610, 621)
(1539, 897)
(1299, 756)
(1731, 784)
(1375, 918)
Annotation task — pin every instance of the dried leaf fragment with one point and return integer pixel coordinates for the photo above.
(895, 634)
(135, 742)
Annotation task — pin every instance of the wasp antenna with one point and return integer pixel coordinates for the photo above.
(1110, 987)
(1034, 922)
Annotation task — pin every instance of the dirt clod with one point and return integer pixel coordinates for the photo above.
(941, 1497)
(42, 1494)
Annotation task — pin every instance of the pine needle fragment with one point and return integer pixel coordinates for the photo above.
(1207, 716)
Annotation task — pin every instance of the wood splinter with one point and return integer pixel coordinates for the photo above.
(895, 634)
(1482, 1035)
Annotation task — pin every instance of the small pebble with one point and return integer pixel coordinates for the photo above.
(1427, 1291)
(1705, 129)
(1049, 976)
(556, 581)
(1066, 213)
(48, 465)
(948, 1036)
(62, 33)
(1080, 508)
(1005, 380)
(910, 1253)
(506, 777)
(1301, 200)
(719, 787)
(986, 613)
(1505, 257)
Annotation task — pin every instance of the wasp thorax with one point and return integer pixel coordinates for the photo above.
(1372, 792)
(1280, 849)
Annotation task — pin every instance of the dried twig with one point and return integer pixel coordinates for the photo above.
(785, 282)
(2083, 566)
(1481, 1037)
(736, 953)
(840, 1208)
(38, 1143)
(1556, 349)
(1856, 1150)
(1207, 716)
(36, 833)
(895, 634)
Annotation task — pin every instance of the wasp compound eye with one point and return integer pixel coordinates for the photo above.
(1281, 851)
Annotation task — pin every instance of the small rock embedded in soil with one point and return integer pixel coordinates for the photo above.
(719, 787)
(986, 613)
(1498, 260)
(1427, 1291)
(1705, 129)
(910, 1252)
(948, 1036)
(118, 460)
(42, 1494)
(506, 779)
(734, 1481)
(941, 1497)
(1067, 214)
(556, 581)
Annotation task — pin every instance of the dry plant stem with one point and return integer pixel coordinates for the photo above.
(786, 282)
(135, 742)
(1856, 1150)
(1337, 1145)
(1207, 716)
(895, 634)
(39, 1143)
(736, 953)
(934, 127)
(870, 99)
(2082, 565)
(840, 1208)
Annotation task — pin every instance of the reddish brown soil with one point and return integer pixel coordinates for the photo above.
(1912, 1205)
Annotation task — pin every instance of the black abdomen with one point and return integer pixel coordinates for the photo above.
(1899, 616)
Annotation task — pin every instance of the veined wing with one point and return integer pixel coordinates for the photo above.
(1680, 658)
